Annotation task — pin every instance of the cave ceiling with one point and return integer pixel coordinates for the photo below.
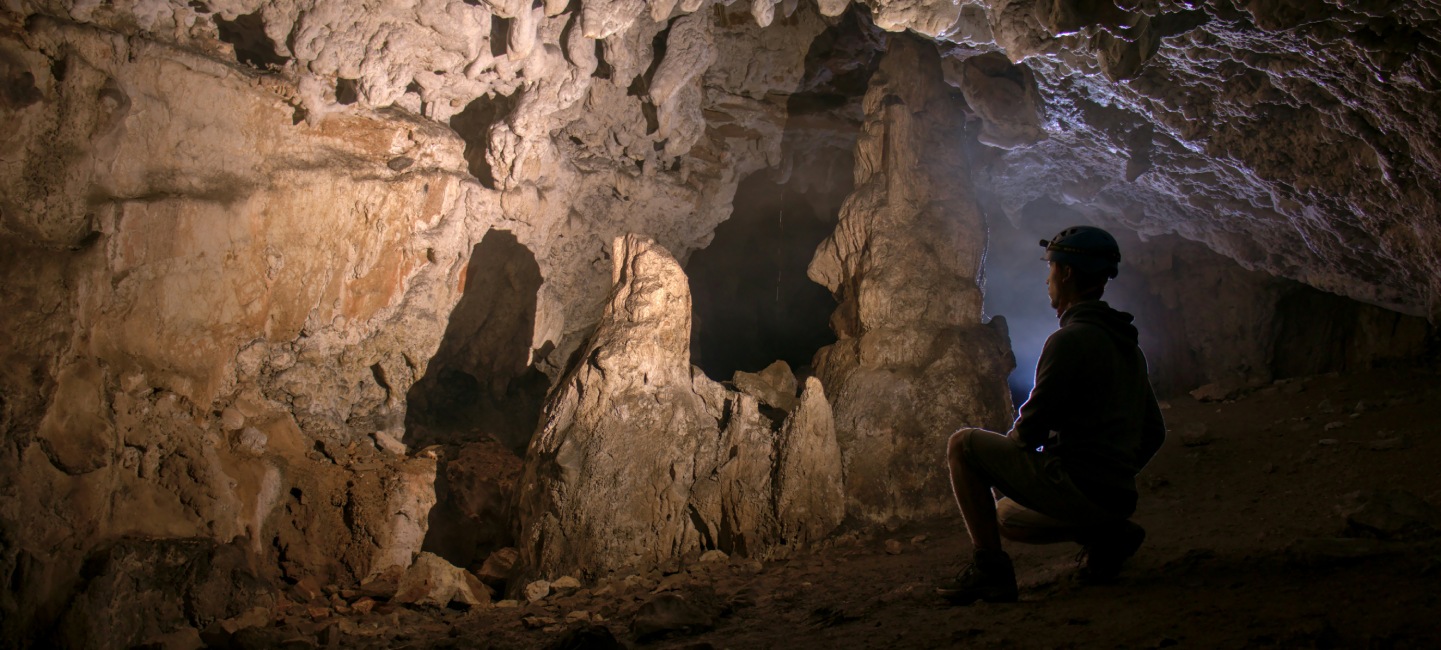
(1296, 137)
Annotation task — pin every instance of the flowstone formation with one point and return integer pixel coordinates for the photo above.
(642, 459)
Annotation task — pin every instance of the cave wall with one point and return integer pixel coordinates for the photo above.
(1288, 136)
(220, 288)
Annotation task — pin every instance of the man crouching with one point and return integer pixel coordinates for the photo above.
(1067, 469)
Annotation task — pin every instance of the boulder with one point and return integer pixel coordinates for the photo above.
(498, 567)
(433, 581)
(774, 386)
(1390, 515)
(673, 614)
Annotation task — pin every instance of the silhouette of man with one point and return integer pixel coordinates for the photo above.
(1067, 468)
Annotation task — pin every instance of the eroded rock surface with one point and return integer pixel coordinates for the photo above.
(643, 459)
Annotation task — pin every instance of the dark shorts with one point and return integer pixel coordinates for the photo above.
(1038, 492)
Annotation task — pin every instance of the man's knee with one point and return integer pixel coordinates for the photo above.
(957, 445)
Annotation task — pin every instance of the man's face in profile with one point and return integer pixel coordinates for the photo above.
(1053, 284)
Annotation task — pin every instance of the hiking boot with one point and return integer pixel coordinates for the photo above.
(1105, 548)
(989, 577)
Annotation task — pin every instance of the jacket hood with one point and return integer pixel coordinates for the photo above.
(1098, 313)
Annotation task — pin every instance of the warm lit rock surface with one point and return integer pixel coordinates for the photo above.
(221, 282)
(642, 458)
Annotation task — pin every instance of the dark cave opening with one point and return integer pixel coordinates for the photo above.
(480, 383)
(480, 398)
(473, 125)
(253, 46)
(753, 303)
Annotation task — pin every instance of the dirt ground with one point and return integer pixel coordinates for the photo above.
(1248, 547)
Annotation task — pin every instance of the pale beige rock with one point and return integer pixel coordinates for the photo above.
(810, 493)
(537, 590)
(433, 581)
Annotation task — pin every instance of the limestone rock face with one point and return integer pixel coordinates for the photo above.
(642, 459)
(234, 234)
(913, 363)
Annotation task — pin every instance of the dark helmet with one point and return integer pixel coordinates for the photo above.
(1086, 248)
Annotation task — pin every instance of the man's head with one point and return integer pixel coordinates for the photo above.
(1082, 259)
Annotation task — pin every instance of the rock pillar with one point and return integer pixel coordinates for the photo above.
(913, 362)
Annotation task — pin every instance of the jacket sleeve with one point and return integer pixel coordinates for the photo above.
(1042, 410)
(1153, 430)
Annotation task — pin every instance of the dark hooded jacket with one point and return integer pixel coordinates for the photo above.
(1092, 406)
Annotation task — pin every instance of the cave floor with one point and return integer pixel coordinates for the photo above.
(1244, 549)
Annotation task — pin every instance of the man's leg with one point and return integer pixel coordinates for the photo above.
(973, 494)
(1021, 524)
(990, 576)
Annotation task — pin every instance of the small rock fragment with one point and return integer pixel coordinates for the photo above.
(713, 555)
(1327, 442)
(1332, 426)
(307, 589)
(1195, 434)
(893, 546)
(1222, 390)
(251, 441)
(499, 567)
(232, 419)
(389, 443)
(564, 585)
(1387, 444)
(433, 581)
(1390, 515)
(589, 636)
(364, 605)
(537, 590)
(669, 615)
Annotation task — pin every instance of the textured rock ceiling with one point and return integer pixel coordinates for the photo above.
(1298, 138)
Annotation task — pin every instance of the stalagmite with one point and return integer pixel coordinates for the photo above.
(704, 468)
